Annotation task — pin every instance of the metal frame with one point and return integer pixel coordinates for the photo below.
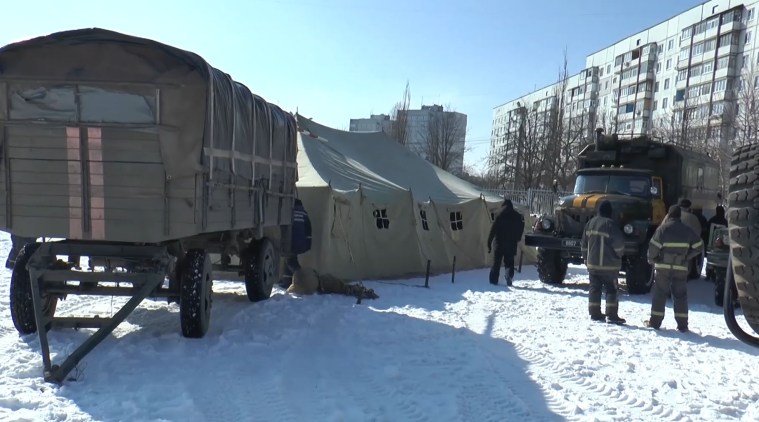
(52, 281)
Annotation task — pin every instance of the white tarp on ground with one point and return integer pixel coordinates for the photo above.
(380, 211)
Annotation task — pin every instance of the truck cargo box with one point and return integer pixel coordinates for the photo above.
(116, 138)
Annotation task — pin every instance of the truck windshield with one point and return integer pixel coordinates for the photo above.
(612, 183)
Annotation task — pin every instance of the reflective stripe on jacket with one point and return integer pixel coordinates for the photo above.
(602, 245)
(673, 245)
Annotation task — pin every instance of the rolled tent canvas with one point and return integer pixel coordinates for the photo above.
(380, 211)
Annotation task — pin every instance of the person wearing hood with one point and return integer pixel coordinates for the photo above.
(719, 217)
(507, 231)
(603, 245)
(671, 248)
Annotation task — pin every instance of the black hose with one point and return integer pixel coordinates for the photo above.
(728, 306)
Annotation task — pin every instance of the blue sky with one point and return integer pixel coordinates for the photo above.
(333, 60)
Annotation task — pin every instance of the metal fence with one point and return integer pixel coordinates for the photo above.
(539, 201)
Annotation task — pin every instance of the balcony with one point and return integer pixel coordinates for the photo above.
(732, 26)
(724, 72)
(727, 49)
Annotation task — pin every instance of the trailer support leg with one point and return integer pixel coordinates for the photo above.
(56, 373)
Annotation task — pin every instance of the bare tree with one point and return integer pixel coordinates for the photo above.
(442, 140)
(399, 118)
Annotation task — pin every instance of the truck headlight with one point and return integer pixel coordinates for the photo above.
(546, 224)
(628, 229)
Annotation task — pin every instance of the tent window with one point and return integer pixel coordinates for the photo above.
(382, 221)
(423, 214)
(456, 222)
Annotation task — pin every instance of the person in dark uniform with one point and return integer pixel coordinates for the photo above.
(719, 217)
(300, 242)
(603, 245)
(507, 231)
(671, 248)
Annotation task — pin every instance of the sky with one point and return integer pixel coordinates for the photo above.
(333, 60)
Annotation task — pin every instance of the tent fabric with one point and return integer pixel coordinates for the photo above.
(380, 211)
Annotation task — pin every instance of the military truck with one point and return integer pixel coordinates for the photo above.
(134, 161)
(640, 178)
(743, 225)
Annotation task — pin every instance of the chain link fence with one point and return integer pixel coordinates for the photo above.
(539, 201)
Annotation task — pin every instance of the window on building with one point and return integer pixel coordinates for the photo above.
(707, 67)
(720, 85)
(709, 45)
(698, 49)
(380, 215)
(722, 62)
(747, 38)
(607, 85)
(457, 223)
(679, 95)
(750, 14)
(629, 108)
(669, 64)
(744, 61)
(656, 86)
(684, 53)
(686, 33)
(718, 107)
(658, 67)
(664, 103)
(666, 83)
(695, 70)
(601, 72)
(670, 44)
(706, 89)
(655, 104)
(608, 68)
(681, 75)
(712, 23)
(423, 215)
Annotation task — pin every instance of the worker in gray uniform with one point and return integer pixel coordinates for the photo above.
(602, 247)
(672, 246)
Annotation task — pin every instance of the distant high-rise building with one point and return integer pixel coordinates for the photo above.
(375, 123)
(682, 81)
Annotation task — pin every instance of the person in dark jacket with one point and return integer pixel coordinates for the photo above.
(603, 245)
(719, 217)
(672, 246)
(507, 231)
(300, 241)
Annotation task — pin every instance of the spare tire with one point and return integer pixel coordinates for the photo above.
(743, 216)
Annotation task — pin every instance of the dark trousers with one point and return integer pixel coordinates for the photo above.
(602, 281)
(508, 262)
(666, 282)
(291, 266)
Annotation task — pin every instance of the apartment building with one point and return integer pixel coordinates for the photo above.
(375, 123)
(680, 80)
(429, 130)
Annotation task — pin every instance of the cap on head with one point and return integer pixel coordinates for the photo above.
(604, 210)
(507, 203)
(685, 203)
(674, 212)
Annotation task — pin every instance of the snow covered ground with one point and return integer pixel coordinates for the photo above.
(467, 351)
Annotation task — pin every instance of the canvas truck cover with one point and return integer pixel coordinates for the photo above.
(111, 137)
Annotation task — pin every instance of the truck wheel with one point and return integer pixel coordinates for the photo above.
(742, 217)
(22, 306)
(638, 275)
(195, 293)
(551, 268)
(261, 266)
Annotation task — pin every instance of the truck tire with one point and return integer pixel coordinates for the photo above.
(22, 306)
(551, 268)
(742, 216)
(195, 293)
(638, 275)
(261, 267)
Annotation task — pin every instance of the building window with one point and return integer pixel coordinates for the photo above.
(744, 62)
(608, 68)
(666, 83)
(679, 95)
(607, 85)
(747, 39)
(656, 87)
(655, 104)
(457, 223)
(712, 23)
(686, 33)
(664, 103)
(684, 53)
(669, 64)
(658, 67)
(670, 44)
(423, 215)
(750, 14)
(383, 222)
(720, 85)
(707, 67)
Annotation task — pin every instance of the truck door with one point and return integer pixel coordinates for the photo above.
(659, 209)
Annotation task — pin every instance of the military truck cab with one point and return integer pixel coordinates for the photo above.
(640, 178)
